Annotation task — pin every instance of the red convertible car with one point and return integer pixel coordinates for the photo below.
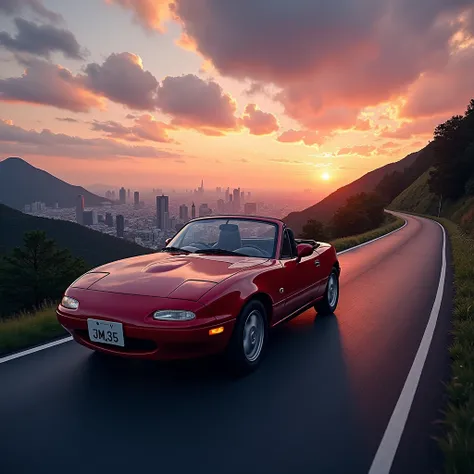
(218, 285)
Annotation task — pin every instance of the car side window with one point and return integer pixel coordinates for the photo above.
(286, 247)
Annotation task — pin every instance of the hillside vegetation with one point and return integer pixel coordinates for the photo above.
(93, 247)
(447, 188)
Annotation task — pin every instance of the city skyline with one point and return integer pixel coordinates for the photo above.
(182, 92)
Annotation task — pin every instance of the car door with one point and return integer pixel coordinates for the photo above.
(300, 277)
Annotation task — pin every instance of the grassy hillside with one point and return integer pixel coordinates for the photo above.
(417, 198)
(324, 210)
(94, 247)
(21, 183)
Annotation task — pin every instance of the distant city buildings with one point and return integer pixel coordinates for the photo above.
(236, 200)
(220, 206)
(89, 217)
(183, 213)
(128, 194)
(250, 208)
(193, 211)
(136, 199)
(162, 212)
(120, 226)
(122, 196)
(204, 210)
(80, 209)
(109, 220)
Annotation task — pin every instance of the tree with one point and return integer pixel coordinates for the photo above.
(314, 230)
(37, 272)
(362, 212)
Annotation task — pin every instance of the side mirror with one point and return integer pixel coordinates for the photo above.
(167, 241)
(304, 250)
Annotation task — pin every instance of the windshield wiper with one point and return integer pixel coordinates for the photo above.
(174, 249)
(219, 252)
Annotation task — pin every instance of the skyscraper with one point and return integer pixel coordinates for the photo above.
(183, 213)
(120, 226)
(226, 197)
(220, 206)
(109, 220)
(236, 200)
(80, 209)
(204, 210)
(122, 195)
(162, 212)
(193, 211)
(136, 199)
(250, 208)
(128, 194)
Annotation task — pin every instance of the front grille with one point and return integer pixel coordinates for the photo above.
(131, 344)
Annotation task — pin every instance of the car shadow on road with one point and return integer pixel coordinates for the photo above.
(299, 402)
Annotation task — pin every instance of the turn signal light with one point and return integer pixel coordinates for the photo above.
(216, 330)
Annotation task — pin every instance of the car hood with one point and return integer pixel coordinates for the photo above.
(166, 275)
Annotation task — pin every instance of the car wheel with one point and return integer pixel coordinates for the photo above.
(331, 296)
(248, 342)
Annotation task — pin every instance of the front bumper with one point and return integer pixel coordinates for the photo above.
(159, 343)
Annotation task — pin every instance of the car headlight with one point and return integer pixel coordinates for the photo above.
(173, 315)
(69, 303)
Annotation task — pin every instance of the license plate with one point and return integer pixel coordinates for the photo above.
(105, 332)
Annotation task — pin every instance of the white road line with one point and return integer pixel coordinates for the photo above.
(34, 349)
(385, 455)
(68, 339)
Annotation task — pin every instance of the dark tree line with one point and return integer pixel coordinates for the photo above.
(361, 213)
(39, 271)
(453, 173)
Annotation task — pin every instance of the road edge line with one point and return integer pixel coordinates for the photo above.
(26, 352)
(385, 455)
(374, 240)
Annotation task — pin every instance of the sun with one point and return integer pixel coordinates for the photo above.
(325, 176)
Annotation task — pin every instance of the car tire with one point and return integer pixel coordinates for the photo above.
(249, 339)
(329, 302)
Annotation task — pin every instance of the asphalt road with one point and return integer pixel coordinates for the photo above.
(320, 403)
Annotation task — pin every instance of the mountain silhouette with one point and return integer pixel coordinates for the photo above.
(22, 183)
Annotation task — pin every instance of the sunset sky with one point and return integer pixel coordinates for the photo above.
(260, 93)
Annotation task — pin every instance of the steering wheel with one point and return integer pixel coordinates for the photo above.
(199, 245)
(255, 248)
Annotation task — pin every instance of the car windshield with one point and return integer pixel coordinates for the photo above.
(249, 237)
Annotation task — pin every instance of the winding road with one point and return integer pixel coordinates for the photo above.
(332, 395)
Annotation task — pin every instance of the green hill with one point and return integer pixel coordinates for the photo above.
(417, 198)
(94, 247)
(22, 183)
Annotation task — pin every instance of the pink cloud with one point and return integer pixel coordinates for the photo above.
(419, 127)
(362, 150)
(198, 104)
(308, 137)
(259, 122)
(49, 84)
(149, 13)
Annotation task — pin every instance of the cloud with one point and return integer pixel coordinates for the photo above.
(389, 146)
(362, 125)
(67, 119)
(308, 137)
(144, 128)
(330, 59)
(13, 7)
(198, 104)
(41, 40)
(406, 130)
(46, 142)
(444, 91)
(122, 79)
(259, 122)
(48, 84)
(149, 13)
(362, 150)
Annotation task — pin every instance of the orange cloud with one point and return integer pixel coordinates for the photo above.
(307, 137)
(151, 14)
(362, 150)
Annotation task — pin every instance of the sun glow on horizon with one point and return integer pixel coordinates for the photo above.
(325, 176)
